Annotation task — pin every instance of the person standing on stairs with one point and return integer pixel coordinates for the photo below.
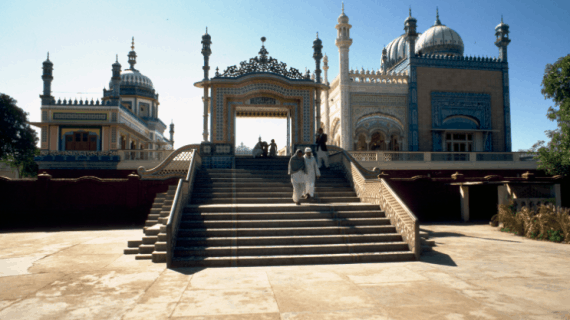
(313, 171)
(297, 171)
(322, 152)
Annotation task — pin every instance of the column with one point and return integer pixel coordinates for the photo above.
(288, 133)
(205, 99)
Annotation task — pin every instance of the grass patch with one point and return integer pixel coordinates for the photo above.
(544, 222)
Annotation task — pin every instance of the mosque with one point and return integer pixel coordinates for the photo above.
(426, 95)
(88, 134)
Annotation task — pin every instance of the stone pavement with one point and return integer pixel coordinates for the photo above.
(474, 272)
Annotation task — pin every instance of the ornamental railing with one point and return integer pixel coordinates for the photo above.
(174, 166)
(389, 156)
(144, 155)
(371, 189)
(181, 198)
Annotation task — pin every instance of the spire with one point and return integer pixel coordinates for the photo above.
(437, 22)
(501, 22)
(343, 7)
(48, 51)
(206, 30)
(132, 56)
(116, 58)
(410, 11)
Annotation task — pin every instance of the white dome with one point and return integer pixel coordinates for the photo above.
(440, 39)
(134, 78)
(397, 50)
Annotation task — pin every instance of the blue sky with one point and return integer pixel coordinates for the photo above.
(84, 36)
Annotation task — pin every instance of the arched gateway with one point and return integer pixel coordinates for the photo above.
(260, 87)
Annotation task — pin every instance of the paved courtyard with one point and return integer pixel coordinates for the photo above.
(474, 272)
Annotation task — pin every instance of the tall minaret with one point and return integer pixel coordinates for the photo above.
(383, 64)
(327, 105)
(47, 77)
(343, 42)
(318, 55)
(116, 80)
(206, 52)
(502, 34)
(411, 35)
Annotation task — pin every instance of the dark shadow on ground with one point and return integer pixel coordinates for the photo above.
(435, 257)
(188, 270)
(434, 235)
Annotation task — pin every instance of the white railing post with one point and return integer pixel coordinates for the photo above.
(427, 156)
(472, 156)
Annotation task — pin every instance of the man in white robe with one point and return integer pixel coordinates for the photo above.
(313, 172)
(322, 152)
(297, 172)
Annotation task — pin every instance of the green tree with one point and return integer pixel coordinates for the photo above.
(554, 156)
(17, 139)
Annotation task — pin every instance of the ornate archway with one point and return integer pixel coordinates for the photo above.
(260, 87)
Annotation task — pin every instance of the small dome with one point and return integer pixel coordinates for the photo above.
(134, 78)
(440, 39)
(343, 18)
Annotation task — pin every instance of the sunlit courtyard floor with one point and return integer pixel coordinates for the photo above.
(474, 272)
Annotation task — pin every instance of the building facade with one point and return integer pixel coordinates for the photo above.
(426, 95)
(89, 134)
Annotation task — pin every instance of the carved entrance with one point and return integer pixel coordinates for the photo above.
(260, 87)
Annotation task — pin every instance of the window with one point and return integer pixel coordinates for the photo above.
(459, 142)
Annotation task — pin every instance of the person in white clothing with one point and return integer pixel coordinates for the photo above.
(312, 172)
(297, 171)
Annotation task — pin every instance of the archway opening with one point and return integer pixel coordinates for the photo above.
(249, 130)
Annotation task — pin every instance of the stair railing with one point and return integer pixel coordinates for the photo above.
(181, 198)
(376, 190)
(174, 166)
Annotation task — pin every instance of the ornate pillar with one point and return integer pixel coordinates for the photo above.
(317, 55)
(343, 42)
(288, 148)
(206, 52)
(327, 127)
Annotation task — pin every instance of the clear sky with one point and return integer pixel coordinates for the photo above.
(84, 36)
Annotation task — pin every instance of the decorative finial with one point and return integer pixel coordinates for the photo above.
(317, 34)
(410, 11)
(343, 7)
(501, 21)
(206, 30)
(117, 58)
(133, 44)
(263, 40)
(437, 21)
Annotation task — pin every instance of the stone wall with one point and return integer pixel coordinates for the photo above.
(86, 202)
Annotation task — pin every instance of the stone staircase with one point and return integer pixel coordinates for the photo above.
(246, 217)
(154, 226)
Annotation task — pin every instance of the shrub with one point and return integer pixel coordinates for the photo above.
(543, 222)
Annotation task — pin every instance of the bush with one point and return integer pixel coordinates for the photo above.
(546, 222)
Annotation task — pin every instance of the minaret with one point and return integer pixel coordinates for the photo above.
(343, 42)
(383, 64)
(116, 80)
(502, 34)
(318, 55)
(206, 52)
(327, 105)
(411, 34)
(132, 56)
(47, 77)
(172, 133)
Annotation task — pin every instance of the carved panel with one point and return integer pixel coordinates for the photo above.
(475, 105)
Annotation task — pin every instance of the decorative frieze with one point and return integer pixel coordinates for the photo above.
(79, 116)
